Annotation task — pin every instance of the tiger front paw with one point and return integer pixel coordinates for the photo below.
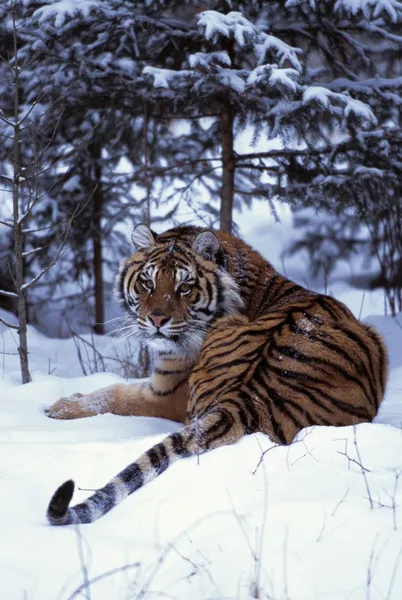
(73, 407)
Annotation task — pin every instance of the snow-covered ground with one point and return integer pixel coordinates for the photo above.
(319, 520)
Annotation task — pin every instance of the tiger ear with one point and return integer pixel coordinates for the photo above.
(142, 237)
(207, 245)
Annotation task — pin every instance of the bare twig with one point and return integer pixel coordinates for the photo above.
(358, 462)
(25, 286)
(103, 576)
(3, 322)
(370, 568)
(84, 569)
(393, 575)
(285, 563)
(340, 502)
(18, 235)
(363, 469)
(261, 459)
(361, 305)
(11, 294)
(260, 536)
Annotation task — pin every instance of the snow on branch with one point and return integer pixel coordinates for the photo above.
(371, 9)
(10, 294)
(215, 68)
(231, 79)
(368, 9)
(365, 172)
(273, 83)
(271, 77)
(65, 8)
(206, 60)
(166, 78)
(232, 26)
(30, 252)
(325, 98)
(282, 52)
(235, 26)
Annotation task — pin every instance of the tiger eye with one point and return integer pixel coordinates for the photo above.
(185, 288)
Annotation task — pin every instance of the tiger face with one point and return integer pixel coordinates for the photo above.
(172, 293)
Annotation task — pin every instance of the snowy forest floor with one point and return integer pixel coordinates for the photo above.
(318, 520)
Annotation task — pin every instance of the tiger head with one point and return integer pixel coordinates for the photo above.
(173, 288)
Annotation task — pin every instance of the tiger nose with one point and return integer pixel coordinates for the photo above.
(158, 317)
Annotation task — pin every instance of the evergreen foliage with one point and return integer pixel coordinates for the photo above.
(107, 84)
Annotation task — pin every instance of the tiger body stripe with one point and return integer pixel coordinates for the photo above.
(240, 349)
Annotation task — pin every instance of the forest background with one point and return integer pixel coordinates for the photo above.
(115, 112)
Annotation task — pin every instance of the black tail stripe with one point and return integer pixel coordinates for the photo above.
(158, 458)
(132, 476)
(180, 446)
(82, 513)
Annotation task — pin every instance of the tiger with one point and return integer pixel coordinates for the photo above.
(239, 349)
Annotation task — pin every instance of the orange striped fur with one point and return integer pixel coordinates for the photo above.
(241, 348)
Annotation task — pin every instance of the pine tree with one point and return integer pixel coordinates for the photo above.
(354, 48)
(87, 61)
(353, 172)
(248, 77)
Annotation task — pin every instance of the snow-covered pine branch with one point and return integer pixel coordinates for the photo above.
(351, 108)
(273, 90)
(369, 10)
(9, 294)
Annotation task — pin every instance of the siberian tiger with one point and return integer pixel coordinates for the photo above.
(241, 349)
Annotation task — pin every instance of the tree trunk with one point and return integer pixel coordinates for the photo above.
(99, 326)
(19, 282)
(228, 168)
(147, 218)
(18, 233)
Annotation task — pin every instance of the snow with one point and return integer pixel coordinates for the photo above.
(359, 109)
(73, 184)
(282, 50)
(325, 97)
(60, 10)
(163, 78)
(231, 79)
(369, 8)
(274, 77)
(369, 171)
(296, 525)
(233, 25)
(204, 59)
